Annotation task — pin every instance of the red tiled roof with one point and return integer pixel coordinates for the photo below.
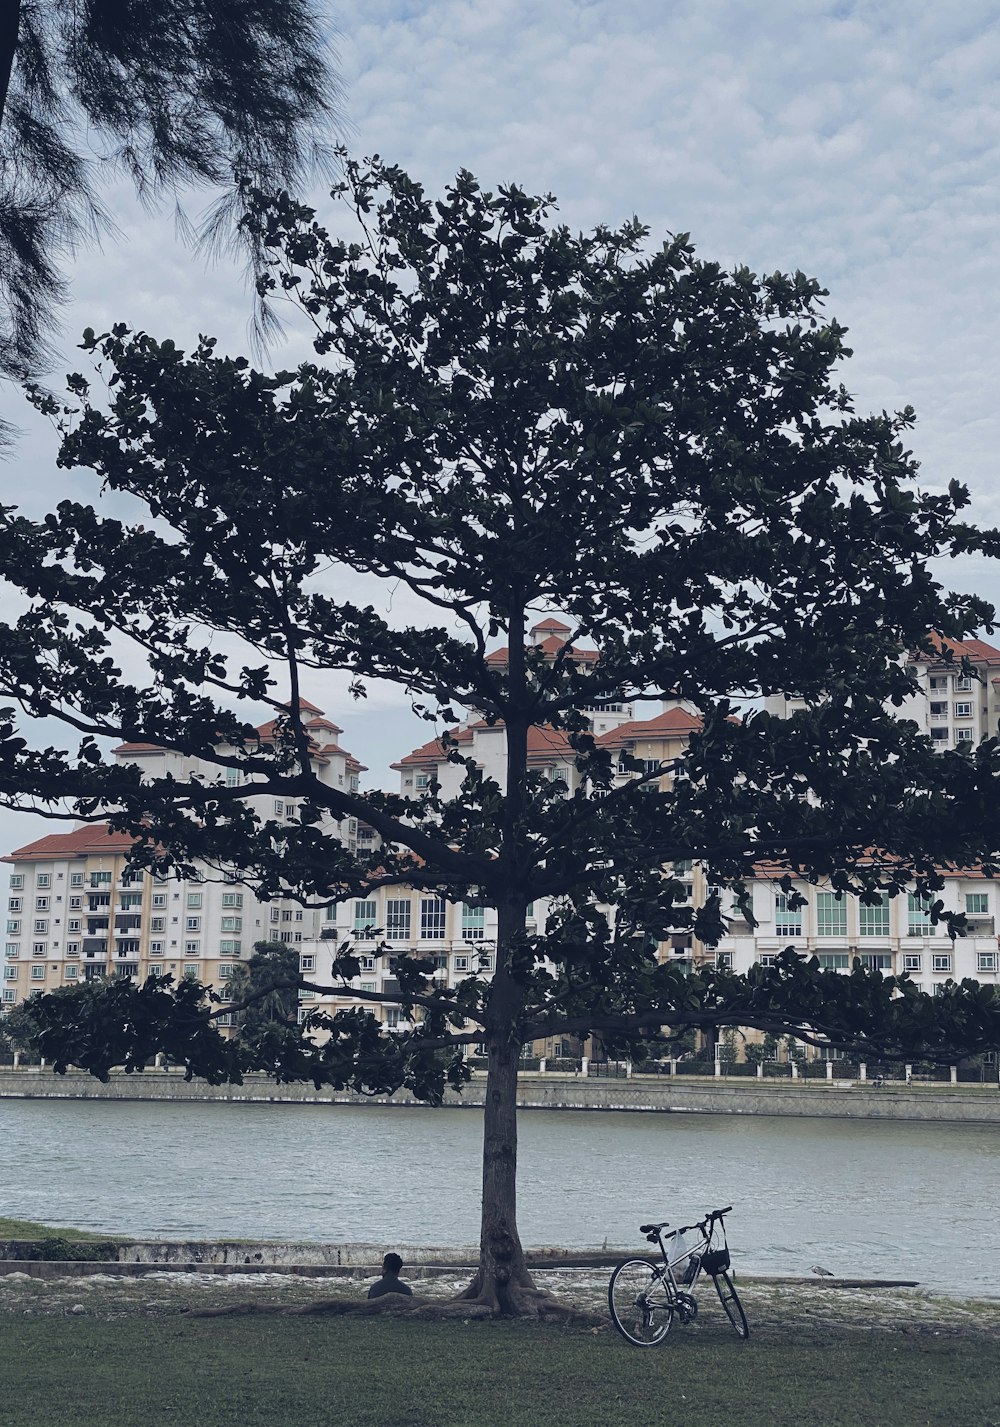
(551, 645)
(435, 752)
(139, 748)
(304, 706)
(551, 624)
(78, 843)
(324, 725)
(977, 650)
(672, 722)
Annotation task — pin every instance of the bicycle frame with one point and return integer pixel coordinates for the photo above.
(644, 1297)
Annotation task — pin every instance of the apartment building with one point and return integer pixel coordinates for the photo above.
(76, 910)
(953, 707)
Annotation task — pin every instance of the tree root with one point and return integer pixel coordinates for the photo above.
(522, 1303)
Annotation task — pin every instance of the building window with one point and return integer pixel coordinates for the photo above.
(100, 879)
(156, 948)
(41, 926)
(14, 905)
(286, 916)
(225, 971)
(232, 777)
(787, 922)
(72, 948)
(192, 924)
(14, 928)
(41, 904)
(918, 916)
(367, 963)
(38, 973)
(230, 948)
(941, 961)
(767, 959)
(831, 914)
(963, 710)
(39, 948)
(192, 948)
(423, 780)
(232, 899)
(964, 735)
(157, 924)
(939, 735)
(156, 969)
(13, 949)
(159, 899)
(874, 921)
(365, 914)
(75, 903)
(10, 973)
(473, 922)
(308, 963)
(876, 960)
(275, 916)
(433, 913)
(76, 879)
(963, 683)
(939, 709)
(397, 918)
(9, 996)
(17, 879)
(194, 899)
(461, 963)
(986, 961)
(72, 973)
(833, 960)
(191, 970)
(977, 904)
(73, 925)
(279, 808)
(44, 879)
(232, 924)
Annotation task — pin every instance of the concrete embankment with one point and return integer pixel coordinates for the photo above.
(974, 1104)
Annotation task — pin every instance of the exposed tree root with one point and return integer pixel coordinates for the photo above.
(528, 1303)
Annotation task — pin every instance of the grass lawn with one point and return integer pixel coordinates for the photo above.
(312, 1372)
(28, 1229)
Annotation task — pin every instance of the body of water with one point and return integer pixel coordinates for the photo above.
(861, 1198)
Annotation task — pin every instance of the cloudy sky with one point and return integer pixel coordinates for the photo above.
(857, 141)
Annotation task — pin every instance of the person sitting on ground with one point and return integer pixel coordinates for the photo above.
(390, 1280)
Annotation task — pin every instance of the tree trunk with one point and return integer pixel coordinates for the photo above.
(503, 1281)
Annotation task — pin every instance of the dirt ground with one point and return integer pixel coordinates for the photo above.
(771, 1308)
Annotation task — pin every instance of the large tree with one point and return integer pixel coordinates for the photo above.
(214, 94)
(507, 417)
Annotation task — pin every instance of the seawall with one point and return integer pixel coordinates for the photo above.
(973, 1104)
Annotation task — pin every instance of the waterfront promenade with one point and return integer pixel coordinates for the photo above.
(965, 1103)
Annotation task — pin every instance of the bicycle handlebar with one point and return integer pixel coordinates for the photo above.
(654, 1229)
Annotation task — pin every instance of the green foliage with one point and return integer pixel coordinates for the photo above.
(270, 976)
(212, 93)
(57, 1248)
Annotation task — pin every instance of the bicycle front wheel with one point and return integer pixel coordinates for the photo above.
(638, 1302)
(730, 1301)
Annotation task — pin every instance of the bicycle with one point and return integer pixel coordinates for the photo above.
(645, 1297)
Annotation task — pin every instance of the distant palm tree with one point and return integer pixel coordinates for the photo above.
(221, 94)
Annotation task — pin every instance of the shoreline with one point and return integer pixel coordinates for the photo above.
(931, 1103)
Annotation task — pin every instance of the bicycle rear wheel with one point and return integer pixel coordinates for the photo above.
(638, 1302)
(730, 1301)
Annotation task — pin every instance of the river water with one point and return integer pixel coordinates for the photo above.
(861, 1198)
